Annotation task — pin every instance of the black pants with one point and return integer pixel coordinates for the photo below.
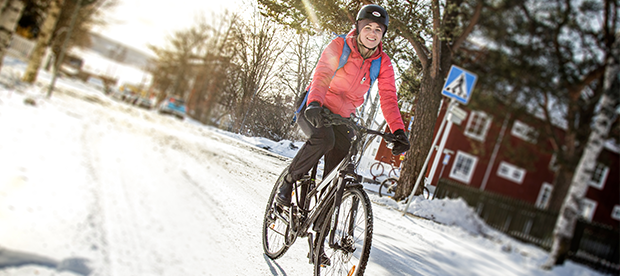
(331, 141)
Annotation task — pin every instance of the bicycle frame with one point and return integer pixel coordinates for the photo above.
(331, 192)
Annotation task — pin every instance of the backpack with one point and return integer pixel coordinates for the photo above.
(375, 67)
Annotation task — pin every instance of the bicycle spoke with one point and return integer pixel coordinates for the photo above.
(352, 237)
(275, 227)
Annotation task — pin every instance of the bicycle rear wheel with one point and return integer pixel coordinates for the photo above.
(388, 187)
(377, 169)
(275, 229)
(349, 253)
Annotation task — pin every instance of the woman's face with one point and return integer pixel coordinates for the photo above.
(370, 35)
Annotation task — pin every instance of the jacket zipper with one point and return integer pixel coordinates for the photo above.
(364, 77)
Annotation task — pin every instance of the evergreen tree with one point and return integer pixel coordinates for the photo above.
(548, 59)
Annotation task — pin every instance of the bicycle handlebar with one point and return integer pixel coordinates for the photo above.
(331, 119)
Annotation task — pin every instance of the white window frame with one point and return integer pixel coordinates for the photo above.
(601, 170)
(456, 173)
(511, 170)
(588, 208)
(523, 131)
(481, 122)
(615, 213)
(544, 196)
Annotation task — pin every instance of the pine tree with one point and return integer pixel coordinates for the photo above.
(549, 58)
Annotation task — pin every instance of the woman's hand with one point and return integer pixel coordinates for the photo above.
(401, 142)
(314, 114)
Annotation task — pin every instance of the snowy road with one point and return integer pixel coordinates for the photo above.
(137, 193)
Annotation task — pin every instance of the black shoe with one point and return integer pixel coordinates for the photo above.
(284, 193)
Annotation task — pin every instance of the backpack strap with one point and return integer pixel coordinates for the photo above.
(346, 51)
(344, 56)
(375, 67)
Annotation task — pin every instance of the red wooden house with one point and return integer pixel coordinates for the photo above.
(498, 156)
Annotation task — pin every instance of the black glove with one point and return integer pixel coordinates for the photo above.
(401, 142)
(314, 114)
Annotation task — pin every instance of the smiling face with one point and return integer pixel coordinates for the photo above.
(370, 35)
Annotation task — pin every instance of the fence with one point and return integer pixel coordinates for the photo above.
(595, 245)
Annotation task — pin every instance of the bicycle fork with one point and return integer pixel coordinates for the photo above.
(337, 201)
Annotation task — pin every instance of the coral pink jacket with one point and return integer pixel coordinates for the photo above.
(347, 89)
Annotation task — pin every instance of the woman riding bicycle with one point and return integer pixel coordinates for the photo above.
(342, 91)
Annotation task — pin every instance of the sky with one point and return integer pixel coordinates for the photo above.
(93, 186)
(138, 23)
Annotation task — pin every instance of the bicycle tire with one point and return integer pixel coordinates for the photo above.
(274, 230)
(388, 187)
(377, 169)
(352, 257)
(426, 193)
(394, 173)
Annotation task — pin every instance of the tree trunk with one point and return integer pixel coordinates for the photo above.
(10, 13)
(571, 209)
(561, 184)
(424, 120)
(422, 130)
(43, 41)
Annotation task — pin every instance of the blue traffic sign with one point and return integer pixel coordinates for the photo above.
(459, 84)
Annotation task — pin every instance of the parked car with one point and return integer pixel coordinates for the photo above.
(116, 94)
(173, 106)
(97, 83)
(129, 97)
(144, 102)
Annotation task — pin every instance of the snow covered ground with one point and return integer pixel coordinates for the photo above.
(131, 192)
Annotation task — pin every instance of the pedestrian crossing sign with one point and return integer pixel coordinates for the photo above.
(459, 84)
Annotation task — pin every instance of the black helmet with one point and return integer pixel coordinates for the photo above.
(374, 13)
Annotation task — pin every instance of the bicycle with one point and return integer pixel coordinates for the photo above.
(337, 208)
(377, 169)
(388, 188)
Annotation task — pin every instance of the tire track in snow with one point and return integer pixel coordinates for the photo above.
(219, 190)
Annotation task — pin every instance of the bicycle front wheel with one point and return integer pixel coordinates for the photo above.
(349, 251)
(388, 187)
(275, 229)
